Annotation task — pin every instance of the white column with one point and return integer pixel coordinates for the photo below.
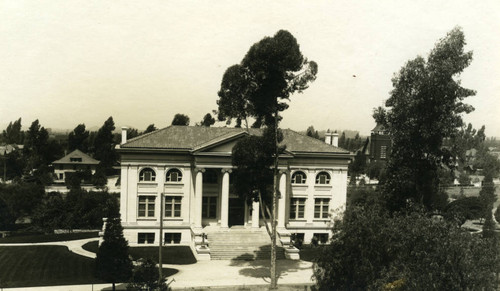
(311, 182)
(255, 214)
(224, 207)
(123, 193)
(198, 196)
(132, 199)
(282, 201)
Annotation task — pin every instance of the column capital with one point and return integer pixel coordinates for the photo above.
(283, 171)
(198, 170)
(226, 170)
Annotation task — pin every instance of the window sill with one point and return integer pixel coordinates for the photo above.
(174, 183)
(173, 219)
(323, 185)
(298, 220)
(146, 218)
(321, 220)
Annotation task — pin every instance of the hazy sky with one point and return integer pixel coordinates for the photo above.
(71, 62)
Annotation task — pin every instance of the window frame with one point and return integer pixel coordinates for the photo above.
(328, 178)
(294, 178)
(142, 175)
(168, 178)
(206, 210)
(147, 206)
(323, 202)
(146, 238)
(171, 204)
(295, 208)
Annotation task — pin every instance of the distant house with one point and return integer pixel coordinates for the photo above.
(73, 162)
(380, 144)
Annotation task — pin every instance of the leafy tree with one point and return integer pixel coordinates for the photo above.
(424, 108)
(208, 120)
(487, 196)
(21, 199)
(180, 119)
(372, 250)
(271, 71)
(132, 132)
(13, 134)
(112, 261)
(150, 128)
(78, 139)
(50, 213)
(342, 141)
(358, 166)
(312, 133)
(462, 209)
(104, 146)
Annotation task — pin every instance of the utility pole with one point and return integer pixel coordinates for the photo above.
(160, 239)
(274, 279)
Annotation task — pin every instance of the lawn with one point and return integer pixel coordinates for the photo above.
(47, 237)
(176, 255)
(28, 266)
(25, 266)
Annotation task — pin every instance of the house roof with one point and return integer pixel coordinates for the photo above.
(194, 137)
(378, 128)
(86, 159)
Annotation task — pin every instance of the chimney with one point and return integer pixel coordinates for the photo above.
(335, 139)
(124, 134)
(328, 137)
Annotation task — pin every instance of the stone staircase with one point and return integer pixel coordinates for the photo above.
(242, 244)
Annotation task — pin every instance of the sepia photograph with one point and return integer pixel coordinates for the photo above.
(249, 145)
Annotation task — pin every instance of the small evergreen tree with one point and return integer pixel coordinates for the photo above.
(113, 262)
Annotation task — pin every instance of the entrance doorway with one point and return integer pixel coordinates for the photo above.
(236, 212)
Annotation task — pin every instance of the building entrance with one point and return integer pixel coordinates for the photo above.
(236, 212)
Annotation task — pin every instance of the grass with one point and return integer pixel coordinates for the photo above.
(175, 255)
(26, 266)
(48, 237)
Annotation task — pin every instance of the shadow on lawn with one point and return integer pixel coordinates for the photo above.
(262, 268)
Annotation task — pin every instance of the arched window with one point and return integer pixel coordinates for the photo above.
(323, 178)
(174, 175)
(147, 175)
(299, 178)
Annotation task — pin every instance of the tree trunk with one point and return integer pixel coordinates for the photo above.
(113, 286)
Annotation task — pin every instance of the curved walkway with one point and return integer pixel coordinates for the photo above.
(74, 246)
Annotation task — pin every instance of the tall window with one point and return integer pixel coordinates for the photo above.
(323, 178)
(147, 175)
(146, 206)
(173, 206)
(383, 152)
(297, 207)
(174, 175)
(321, 208)
(209, 207)
(299, 178)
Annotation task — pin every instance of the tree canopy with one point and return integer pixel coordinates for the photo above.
(79, 139)
(180, 119)
(423, 109)
(272, 70)
(13, 133)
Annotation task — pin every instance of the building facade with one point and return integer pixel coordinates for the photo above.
(186, 173)
(73, 162)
